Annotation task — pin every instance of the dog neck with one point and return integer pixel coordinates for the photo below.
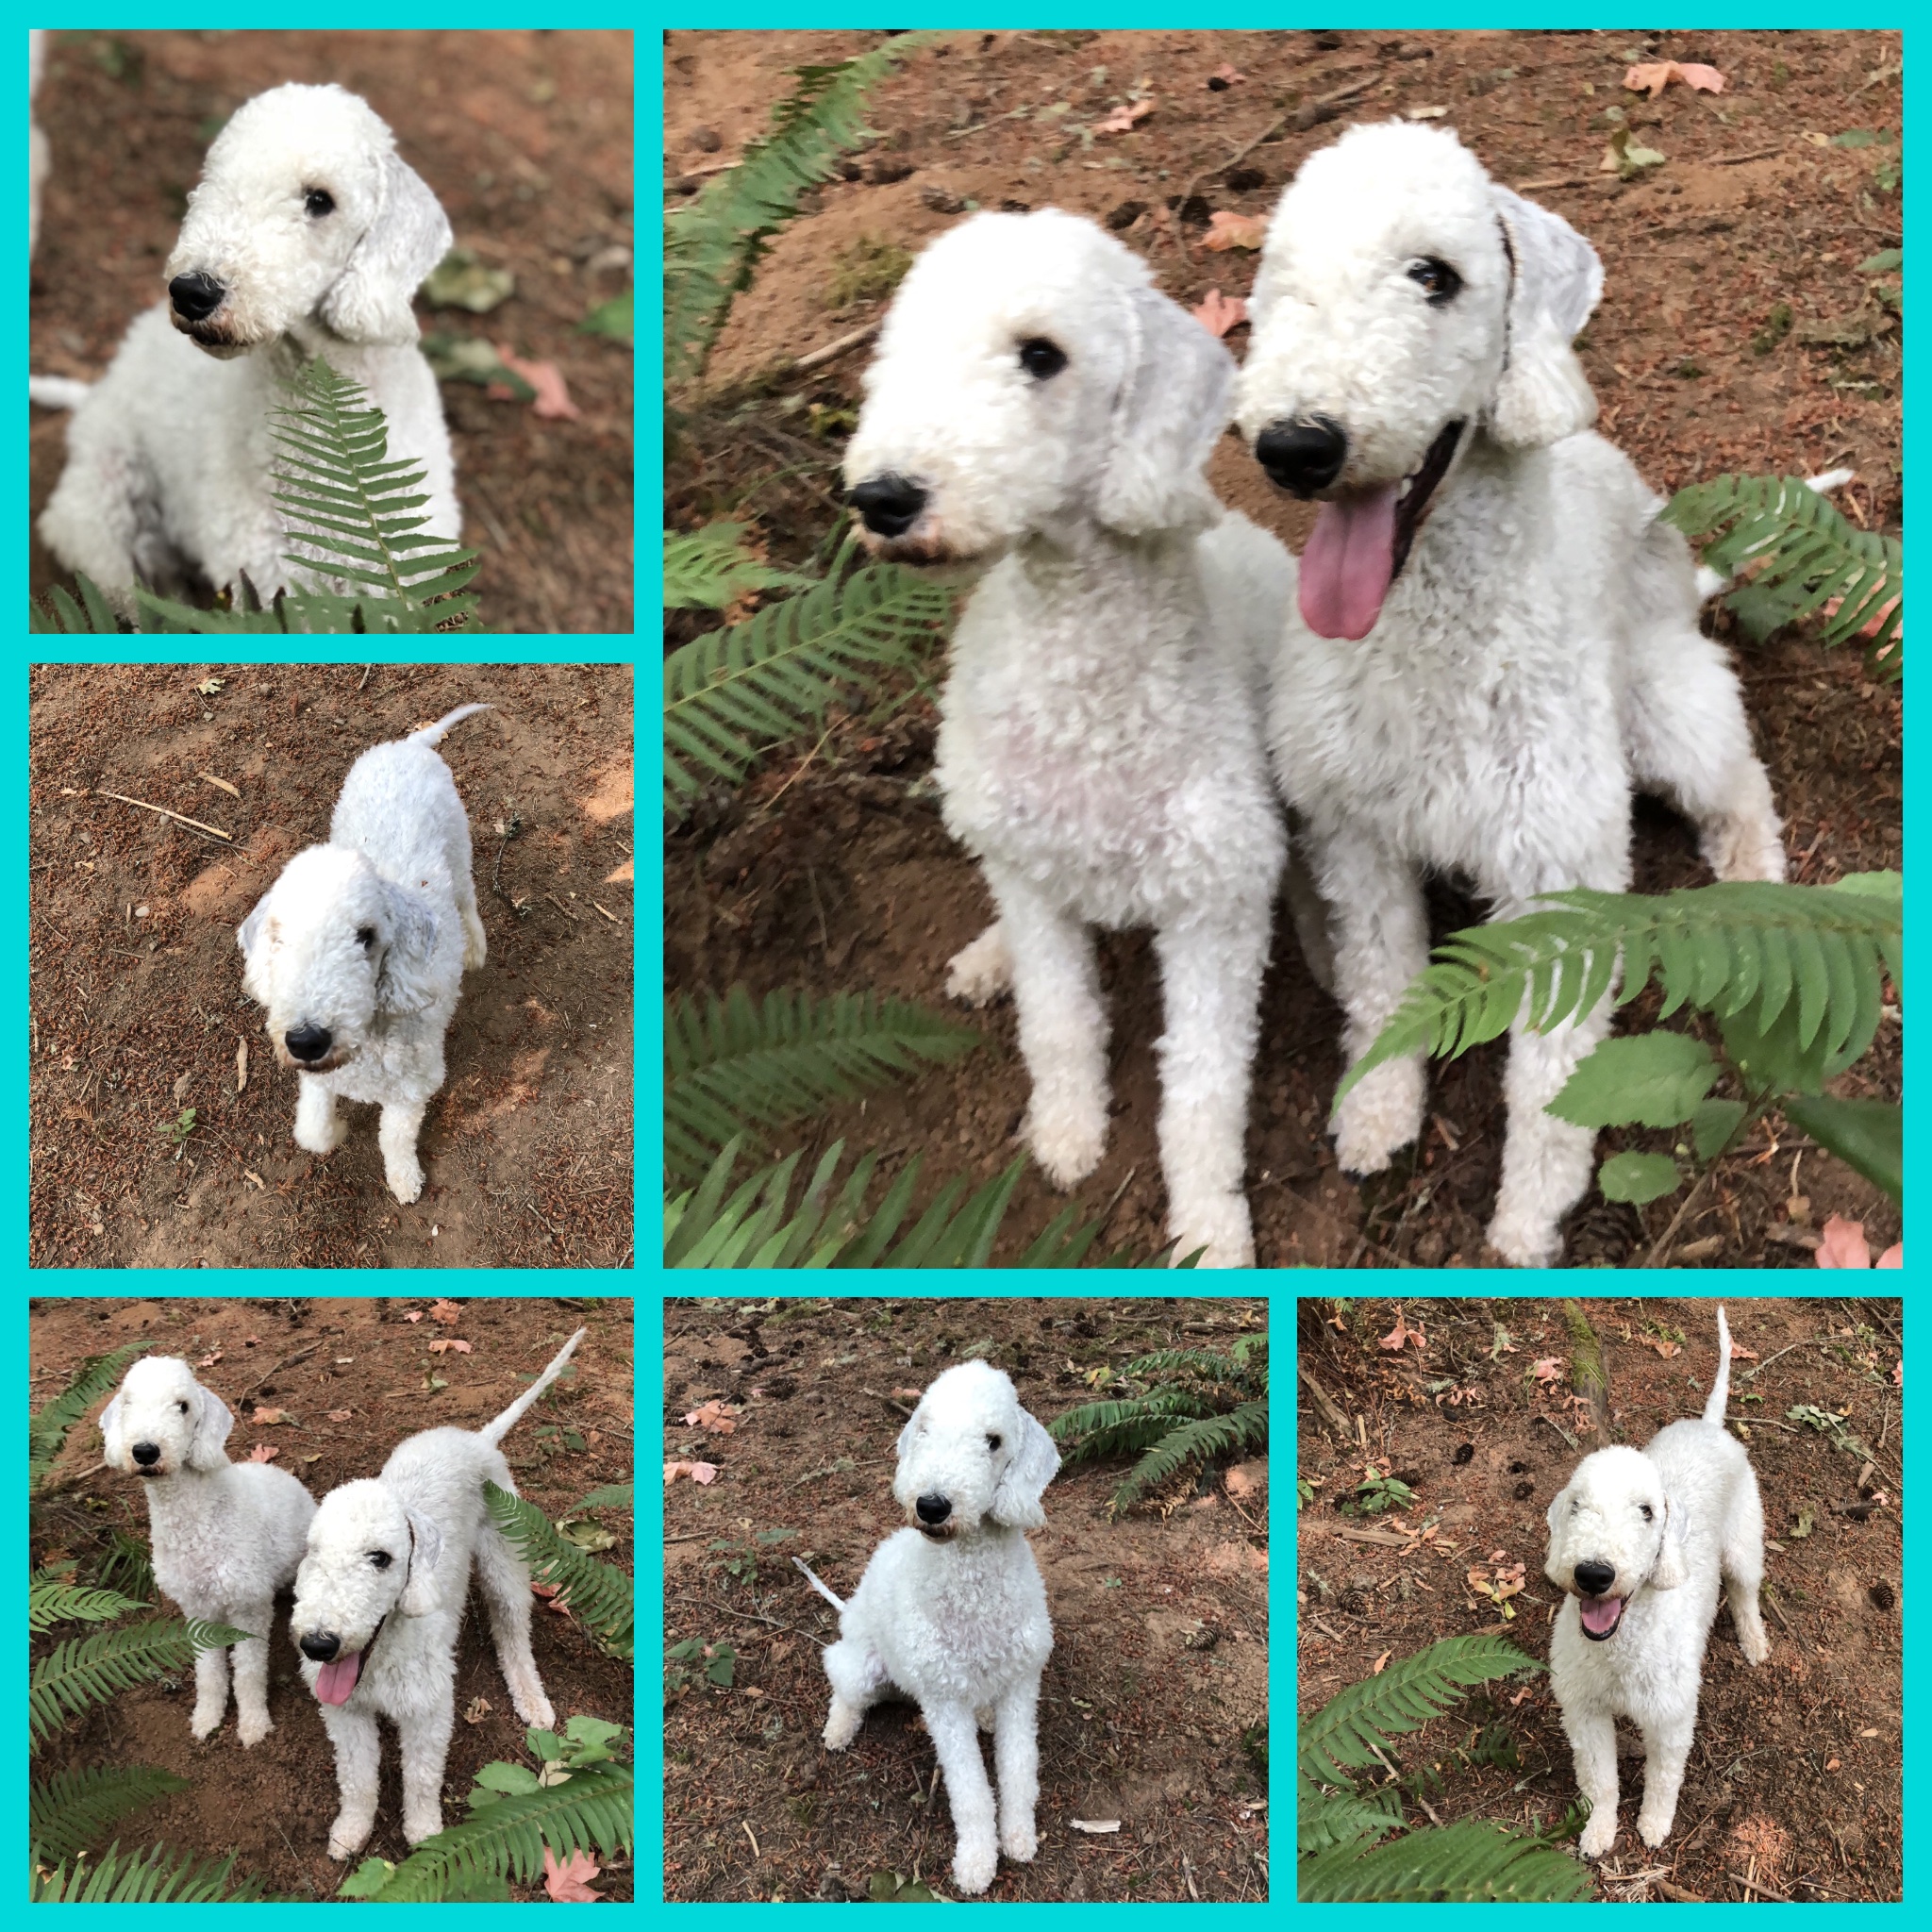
(184, 1496)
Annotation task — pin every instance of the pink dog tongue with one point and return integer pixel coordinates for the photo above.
(1347, 564)
(334, 1681)
(1600, 1616)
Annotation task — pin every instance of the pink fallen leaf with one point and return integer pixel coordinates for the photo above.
(569, 1883)
(1895, 1256)
(444, 1312)
(268, 1416)
(1122, 119)
(704, 1473)
(339, 1415)
(553, 398)
(263, 1452)
(1870, 629)
(1842, 1244)
(1218, 314)
(1653, 76)
(207, 1362)
(444, 1342)
(1402, 1333)
(711, 1415)
(552, 1594)
(1549, 1368)
(414, 1315)
(1227, 229)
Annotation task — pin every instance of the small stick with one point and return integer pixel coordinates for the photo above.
(819, 357)
(1240, 154)
(227, 837)
(1555, 181)
(233, 790)
(1757, 154)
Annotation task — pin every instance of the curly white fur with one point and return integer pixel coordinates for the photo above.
(951, 1612)
(306, 238)
(1100, 752)
(1637, 1542)
(358, 949)
(1488, 705)
(225, 1535)
(388, 1560)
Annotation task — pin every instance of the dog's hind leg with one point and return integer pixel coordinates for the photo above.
(1741, 1557)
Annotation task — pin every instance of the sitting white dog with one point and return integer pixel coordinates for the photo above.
(1637, 1542)
(358, 949)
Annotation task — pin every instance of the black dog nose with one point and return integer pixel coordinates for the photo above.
(321, 1646)
(890, 505)
(196, 296)
(933, 1510)
(1303, 457)
(307, 1041)
(146, 1452)
(1594, 1578)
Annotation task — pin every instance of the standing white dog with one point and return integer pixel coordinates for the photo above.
(306, 238)
(225, 1535)
(1637, 1542)
(359, 948)
(951, 1612)
(399, 1547)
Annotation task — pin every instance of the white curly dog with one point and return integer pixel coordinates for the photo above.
(1039, 412)
(952, 1613)
(306, 238)
(1496, 641)
(225, 1535)
(398, 1547)
(358, 949)
(1639, 1539)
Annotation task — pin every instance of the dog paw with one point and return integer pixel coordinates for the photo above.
(973, 1868)
(206, 1722)
(1020, 1842)
(1220, 1227)
(981, 973)
(1599, 1835)
(840, 1728)
(1526, 1239)
(1754, 1644)
(1067, 1139)
(1652, 1828)
(253, 1726)
(320, 1136)
(404, 1180)
(1382, 1113)
(417, 1825)
(346, 1838)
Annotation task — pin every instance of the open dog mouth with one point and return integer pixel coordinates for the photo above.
(1601, 1615)
(335, 1683)
(1360, 541)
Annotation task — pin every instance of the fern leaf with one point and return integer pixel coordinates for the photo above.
(1198, 1361)
(152, 1877)
(612, 1496)
(1727, 948)
(127, 1568)
(599, 1594)
(732, 694)
(590, 1812)
(1474, 1862)
(1244, 1427)
(69, 1811)
(1800, 553)
(87, 1670)
(709, 568)
(51, 1604)
(1348, 1731)
(732, 1068)
(47, 1434)
(1326, 1818)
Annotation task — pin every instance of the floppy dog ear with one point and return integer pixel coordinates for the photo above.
(111, 1426)
(419, 1587)
(404, 982)
(1555, 280)
(1670, 1568)
(1173, 405)
(1016, 1500)
(212, 1428)
(411, 234)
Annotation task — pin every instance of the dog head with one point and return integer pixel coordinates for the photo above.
(971, 1455)
(1613, 1532)
(1030, 377)
(163, 1421)
(304, 216)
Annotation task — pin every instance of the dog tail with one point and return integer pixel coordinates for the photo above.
(1710, 582)
(432, 734)
(513, 1414)
(1721, 1388)
(837, 1603)
(56, 391)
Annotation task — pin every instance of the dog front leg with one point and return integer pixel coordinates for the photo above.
(426, 1745)
(251, 1670)
(210, 1691)
(359, 1759)
(1593, 1744)
(1016, 1755)
(1666, 1751)
(318, 1128)
(955, 1737)
(396, 1136)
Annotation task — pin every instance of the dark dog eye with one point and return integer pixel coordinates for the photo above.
(365, 935)
(992, 1442)
(1042, 358)
(318, 202)
(1647, 1516)
(381, 1559)
(1437, 279)
(182, 1406)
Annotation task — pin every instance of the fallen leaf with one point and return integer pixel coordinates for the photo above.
(475, 1710)
(553, 398)
(1218, 314)
(1402, 1333)
(1623, 159)
(207, 1362)
(712, 1415)
(1427, 113)
(1653, 76)
(444, 1343)
(552, 1594)
(1842, 1244)
(414, 1315)
(263, 1452)
(1834, 604)
(270, 1416)
(1549, 1369)
(445, 1311)
(1895, 1256)
(240, 1066)
(1123, 117)
(569, 1883)
(1227, 229)
(339, 1415)
(698, 1471)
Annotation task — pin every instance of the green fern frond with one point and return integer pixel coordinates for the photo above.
(1098, 1429)
(591, 1812)
(47, 1433)
(712, 243)
(1198, 1361)
(156, 1876)
(1738, 950)
(70, 1811)
(599, 1594)
(1348, 1731)
(48, 1603)
(1800, 553)
(706, 569)
(612, 1496)
(127, 1567)
(732, 1068)
(1243, 1427)
(87, 1670)
(1326, 1818)
(732, 694)
(1472, 1861)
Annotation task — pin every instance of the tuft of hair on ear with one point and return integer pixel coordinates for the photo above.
(407, 981)
(1555, 279)
(371, 299)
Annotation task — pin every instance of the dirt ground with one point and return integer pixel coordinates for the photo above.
(1154, 1709)
(138, 1011)
(1793, 1785)
(272, 1804)
(832, 871)
(526, 137)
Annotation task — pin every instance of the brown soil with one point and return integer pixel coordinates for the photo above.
(1793, 1784)
(526, 139)
(1154, 1709)
(137, 1009)
(848, 880)
(271, 1805)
